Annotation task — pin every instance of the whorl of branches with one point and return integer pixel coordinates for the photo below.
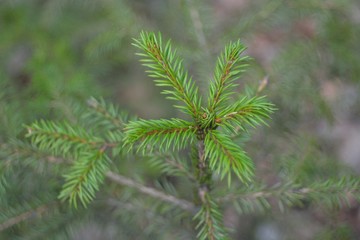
(209, 132)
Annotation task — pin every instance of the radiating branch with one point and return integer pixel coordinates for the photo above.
(174, 132)
(246, 111)
(228, 67)
(168, 71)
(225, 157)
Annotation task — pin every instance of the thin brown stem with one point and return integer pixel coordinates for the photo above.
(182, 203)
(204, 179)
(23, 217)
(204, 176)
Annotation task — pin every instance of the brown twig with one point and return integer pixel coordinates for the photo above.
(203, 177)
(23, 217)
(182, 203)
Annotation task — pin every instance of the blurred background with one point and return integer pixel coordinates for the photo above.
(55, 54)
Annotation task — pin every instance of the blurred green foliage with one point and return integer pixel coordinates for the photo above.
(54, 55)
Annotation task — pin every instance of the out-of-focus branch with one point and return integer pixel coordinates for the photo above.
(23, 216)
(198, 26)
(184, 204)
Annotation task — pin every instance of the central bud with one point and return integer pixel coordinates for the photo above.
(207, 120)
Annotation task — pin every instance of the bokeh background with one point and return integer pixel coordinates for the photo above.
(56, 54)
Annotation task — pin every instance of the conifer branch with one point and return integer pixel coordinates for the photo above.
(23, 217)
(168, 71)
(180, 167)
(84, 178)
(115, 141)
(171, 164)
(91, 163)
(251, 111)
(131, 209)
(216, 152)
(225, 156)
(26, 152)
(163, 132)
(228, 67)
(61, 139)
(332, 193)
(184, 204)
(106, 114)
(257, 198)
(210, 226)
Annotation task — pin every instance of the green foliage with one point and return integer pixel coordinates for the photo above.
(244, 112)
(55, 54)
(215, 151)
(168, 71)
(228, 67)
(89, 152)
(88, 149)
(84, 178)
(328, 194)
(105, 116)
(225, 156)
(62, 139)
(210, 220)
(219, 153)
(174, 132)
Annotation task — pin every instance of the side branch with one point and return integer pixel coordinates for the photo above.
(60, 136)
(23, 217)
(226, 157)
(164, 132)
(221, 83)
(155, 50)
(168, 71)
(251, 111)
(182, 203)
(84, 177)
(331, 193)
(228, 67)
(110, 113)
(177, 165)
